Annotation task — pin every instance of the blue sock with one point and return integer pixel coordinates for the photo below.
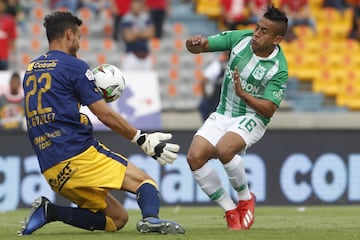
(148, 199)
(77, 217)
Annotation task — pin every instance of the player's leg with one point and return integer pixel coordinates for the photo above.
(76, 185)
(200, 151)
(233, 164)
(209, 180)
(148, 198)
(236, 140)
(43, 212)
(228, 148)
(116, 214)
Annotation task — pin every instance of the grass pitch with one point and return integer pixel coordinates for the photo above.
(207, 223)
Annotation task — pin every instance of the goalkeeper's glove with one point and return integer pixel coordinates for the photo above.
(152, 145)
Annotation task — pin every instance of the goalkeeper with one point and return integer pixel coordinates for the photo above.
(74, 163)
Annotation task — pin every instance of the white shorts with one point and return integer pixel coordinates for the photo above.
(249, 127)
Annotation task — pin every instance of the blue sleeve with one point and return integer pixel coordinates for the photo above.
(85, 88)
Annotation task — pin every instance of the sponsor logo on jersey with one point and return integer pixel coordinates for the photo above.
(62, 177)
(248, 87)
(89, 74)
(41, 64)
(279, 94)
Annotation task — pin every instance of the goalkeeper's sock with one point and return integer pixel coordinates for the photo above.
(235, 170)
(148, 199)
(77, 217)
(210, 182)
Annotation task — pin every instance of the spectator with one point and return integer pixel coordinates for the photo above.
(355, 30)
(211, 80)
(158, 10)
(16, 9)
(257, 9)
(7, 36)
(137, 31)
(12, 104)
(298, 13)
(120, 8)
(338, 4)
(234, 13)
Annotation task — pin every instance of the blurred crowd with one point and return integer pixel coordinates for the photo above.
(237, 14)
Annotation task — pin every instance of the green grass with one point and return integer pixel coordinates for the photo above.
(207, 223)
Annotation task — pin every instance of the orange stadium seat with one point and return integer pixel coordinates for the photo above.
(349, 94)
(197, 90)
(101, 58)
(351, 45)
(328, 31)
(108, 14)
(302, 66)
(108, 44)
(25, 59)
(38, 12)
(174, 59)
(198, 59)
(329, 15)
(327, 81)
(198, 74)
(85, 14)
(108, 29)
(178, 44)
(36, 29)
(351, 60)
(173, 74)
(178, 29)
(35, 45)
(304, 32)
(84, 44)
(84, 30)
(155, 44)
(172, 90)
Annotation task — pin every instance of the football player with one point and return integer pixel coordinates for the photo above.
(74, 163)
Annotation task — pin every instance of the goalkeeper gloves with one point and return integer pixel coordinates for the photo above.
(152, 145)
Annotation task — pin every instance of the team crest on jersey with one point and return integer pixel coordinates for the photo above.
(259, 72)
(89, 74)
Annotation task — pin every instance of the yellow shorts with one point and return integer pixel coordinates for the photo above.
(87, 178)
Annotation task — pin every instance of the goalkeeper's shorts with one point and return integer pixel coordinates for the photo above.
(87, 178)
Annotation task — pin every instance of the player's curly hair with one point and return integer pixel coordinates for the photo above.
(58, 22)
(274, 14)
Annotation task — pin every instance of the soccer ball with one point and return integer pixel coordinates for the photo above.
(110, 80)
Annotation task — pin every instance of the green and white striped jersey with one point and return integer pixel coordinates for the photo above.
(262, 77)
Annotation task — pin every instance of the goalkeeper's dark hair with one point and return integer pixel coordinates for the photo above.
(274, 14)
(58, 22)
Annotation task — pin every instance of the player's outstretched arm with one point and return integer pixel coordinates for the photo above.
(151, 143)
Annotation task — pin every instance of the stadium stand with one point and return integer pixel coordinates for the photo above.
(322, 65)
(317, 59)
